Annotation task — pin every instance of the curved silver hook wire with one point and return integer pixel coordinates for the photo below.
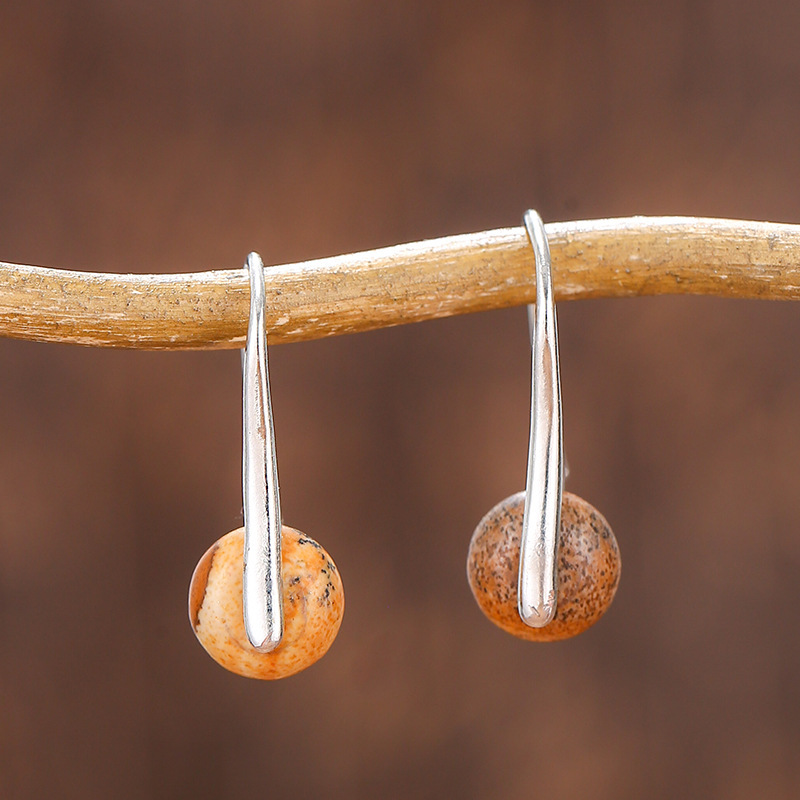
(262, 595)
(544, 486)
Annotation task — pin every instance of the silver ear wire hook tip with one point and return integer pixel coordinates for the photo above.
(262, 595)
(537, 586)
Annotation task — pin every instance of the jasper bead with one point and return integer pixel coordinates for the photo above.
(313, 604)
(588, 568)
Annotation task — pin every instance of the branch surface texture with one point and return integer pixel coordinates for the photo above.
(624, 257)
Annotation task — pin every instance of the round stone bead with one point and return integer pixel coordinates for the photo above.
(588, 568)
(313, 604)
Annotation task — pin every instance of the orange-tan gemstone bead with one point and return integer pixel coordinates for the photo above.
(313, 604)
(588, 568)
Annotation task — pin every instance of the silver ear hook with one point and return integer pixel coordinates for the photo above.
(262, 595)
(544, 486)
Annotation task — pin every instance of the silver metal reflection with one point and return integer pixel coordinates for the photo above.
(537, 587)
(262, 596)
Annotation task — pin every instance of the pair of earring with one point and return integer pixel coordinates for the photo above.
(266, 601)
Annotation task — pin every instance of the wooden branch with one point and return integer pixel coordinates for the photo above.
(406, 283)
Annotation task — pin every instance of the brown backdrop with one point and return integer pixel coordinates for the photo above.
(149, 136)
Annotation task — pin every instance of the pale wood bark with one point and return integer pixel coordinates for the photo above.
(407, 283)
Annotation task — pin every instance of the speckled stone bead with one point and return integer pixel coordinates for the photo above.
(588, 565)
(313, 604)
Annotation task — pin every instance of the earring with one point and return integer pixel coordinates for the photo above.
(266, 601)
(543, 565)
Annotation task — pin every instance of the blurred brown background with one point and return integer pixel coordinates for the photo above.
(159, 137)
